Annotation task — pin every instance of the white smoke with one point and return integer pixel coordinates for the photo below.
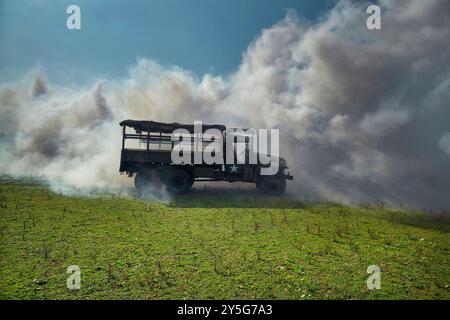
(364, 115)
(444, 143)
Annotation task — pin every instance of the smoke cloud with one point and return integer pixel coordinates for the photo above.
(364, 115)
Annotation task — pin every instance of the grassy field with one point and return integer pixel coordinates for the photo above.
(219, 245)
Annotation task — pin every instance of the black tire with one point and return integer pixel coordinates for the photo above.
(140, 181)
(147, 181)
(178, 181)
(273, 185)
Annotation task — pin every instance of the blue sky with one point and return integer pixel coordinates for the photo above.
(203, 36)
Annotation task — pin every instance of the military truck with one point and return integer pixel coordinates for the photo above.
(148, 148)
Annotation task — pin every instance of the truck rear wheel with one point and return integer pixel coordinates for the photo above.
(274, 185)
(178, 181)
(147, 182)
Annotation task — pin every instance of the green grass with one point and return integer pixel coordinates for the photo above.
(219, 245)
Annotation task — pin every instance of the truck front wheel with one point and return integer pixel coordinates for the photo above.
(274, 185)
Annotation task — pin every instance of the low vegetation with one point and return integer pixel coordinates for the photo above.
(215, 245)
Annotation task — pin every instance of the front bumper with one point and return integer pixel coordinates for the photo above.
(288, 175)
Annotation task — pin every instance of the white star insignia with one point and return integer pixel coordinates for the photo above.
(234, 168)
